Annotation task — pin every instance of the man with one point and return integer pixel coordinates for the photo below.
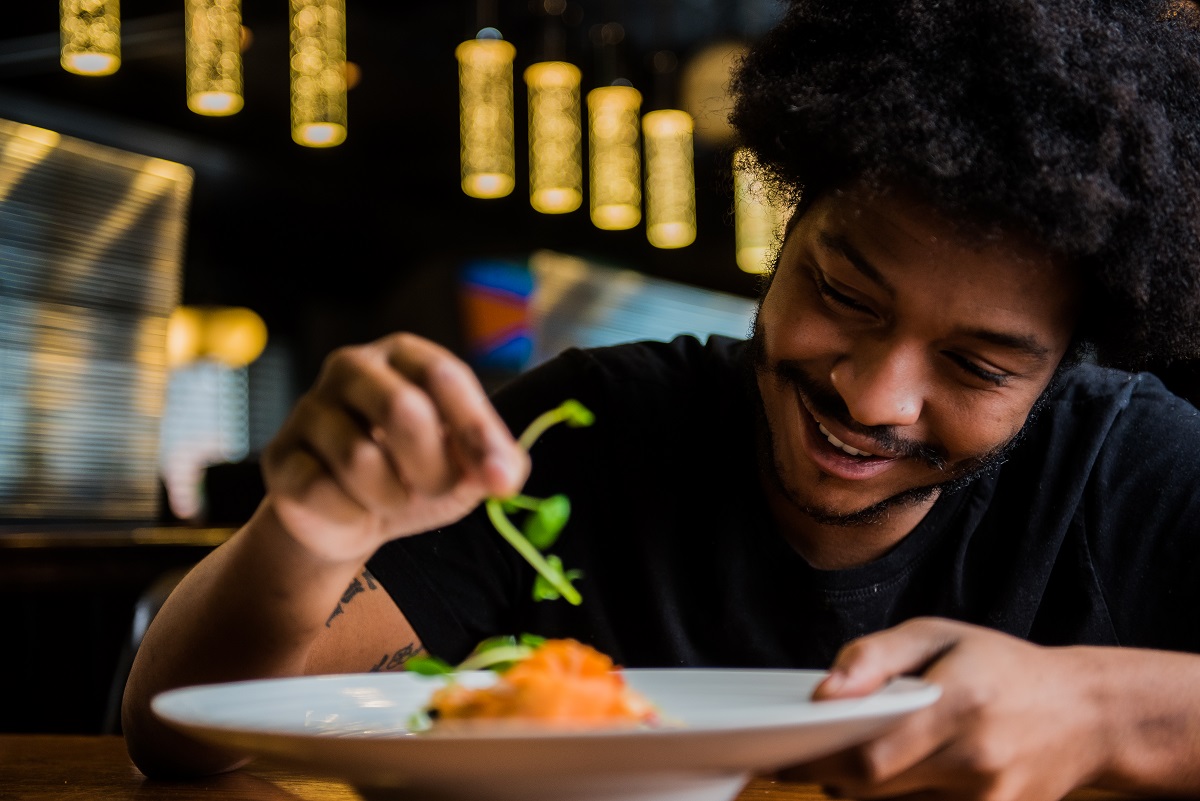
(912, 467)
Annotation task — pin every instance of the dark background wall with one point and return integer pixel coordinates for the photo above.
(329, 246)
(344, 244)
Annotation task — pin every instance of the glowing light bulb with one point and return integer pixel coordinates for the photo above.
(213, 38)
(485, 117)
(318, 70)
(91, 36)
(758, 220)
(233, 335)
(555, 137)
(185, 335)
(615, 164)
(670, 179)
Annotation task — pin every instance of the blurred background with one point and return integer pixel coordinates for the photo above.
(235, 190)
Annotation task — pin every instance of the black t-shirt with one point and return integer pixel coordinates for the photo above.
(1087, 534)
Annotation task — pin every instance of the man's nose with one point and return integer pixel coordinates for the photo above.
(882, 383)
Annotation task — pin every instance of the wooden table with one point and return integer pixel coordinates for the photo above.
(56, 767)
(51, 767)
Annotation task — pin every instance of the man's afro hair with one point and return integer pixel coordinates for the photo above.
(1076, 122)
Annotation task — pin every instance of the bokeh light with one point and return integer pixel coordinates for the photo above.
(213, 36)
(91, 36)
(670, 179)
(555, 137)
(485, 103)
(318, 72)
(615, 161)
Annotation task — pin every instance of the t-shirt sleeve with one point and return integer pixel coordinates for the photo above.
(1143, 515)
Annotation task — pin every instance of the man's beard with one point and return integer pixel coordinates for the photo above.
(826, 403)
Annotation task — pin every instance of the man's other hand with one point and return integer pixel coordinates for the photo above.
(1014, 722)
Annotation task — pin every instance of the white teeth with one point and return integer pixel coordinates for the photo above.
(837, 443)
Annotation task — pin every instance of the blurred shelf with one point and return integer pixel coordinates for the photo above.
(60, 538)
(98, 558)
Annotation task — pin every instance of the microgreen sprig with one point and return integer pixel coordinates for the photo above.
(570, 411)
(494, 653)
(545, 516)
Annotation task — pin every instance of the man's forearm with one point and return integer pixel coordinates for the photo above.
(252, 609)
(1152, 704)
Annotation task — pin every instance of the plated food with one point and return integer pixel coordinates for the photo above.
(724, 725)
(560, 681)
(556, 682)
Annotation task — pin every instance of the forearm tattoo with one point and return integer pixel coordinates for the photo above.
(396, 661)
(364, 582)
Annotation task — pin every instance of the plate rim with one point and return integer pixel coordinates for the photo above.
(916, 693)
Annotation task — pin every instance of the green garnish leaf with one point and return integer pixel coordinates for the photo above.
(571, 412)
(518, 502)
(576, 414)
(546, 571)
(548, 516)
(425, 665)
(532, 640)
(499, 658)
(419, 721)
(501, 652)
(499, 641)
(543, 526)
(545, 589)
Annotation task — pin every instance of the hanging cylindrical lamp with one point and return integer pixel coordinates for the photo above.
(213, 34)
(615, 160)
(555, 137)
(318, 68)
(757, 221)
(91, 36)
(670, 178)
(485, 115)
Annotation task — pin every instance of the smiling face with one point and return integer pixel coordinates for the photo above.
(896, 354)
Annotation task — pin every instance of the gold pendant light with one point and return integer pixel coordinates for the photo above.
(213, 33)
(555, 137)
(91, 36)
(318, 69)
(670, 178)
(615, 160)
(485, 115)
(758, 221)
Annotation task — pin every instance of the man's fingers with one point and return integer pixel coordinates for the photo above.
(868, 663)
(396, 437)
(881, 760)
(397, 414)
(472, 423)
(903, 760)
(357, 462)
(298, 478)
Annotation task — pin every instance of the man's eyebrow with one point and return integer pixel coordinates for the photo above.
(1029, 345)
(1023, 343)
(839, 244)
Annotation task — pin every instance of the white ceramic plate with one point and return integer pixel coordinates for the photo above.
(721, 727)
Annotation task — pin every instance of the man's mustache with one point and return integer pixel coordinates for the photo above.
(828, 404)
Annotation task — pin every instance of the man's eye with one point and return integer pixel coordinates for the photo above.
(999, 379)
(839, 298)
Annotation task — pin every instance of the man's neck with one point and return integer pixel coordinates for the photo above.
(828, 546)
